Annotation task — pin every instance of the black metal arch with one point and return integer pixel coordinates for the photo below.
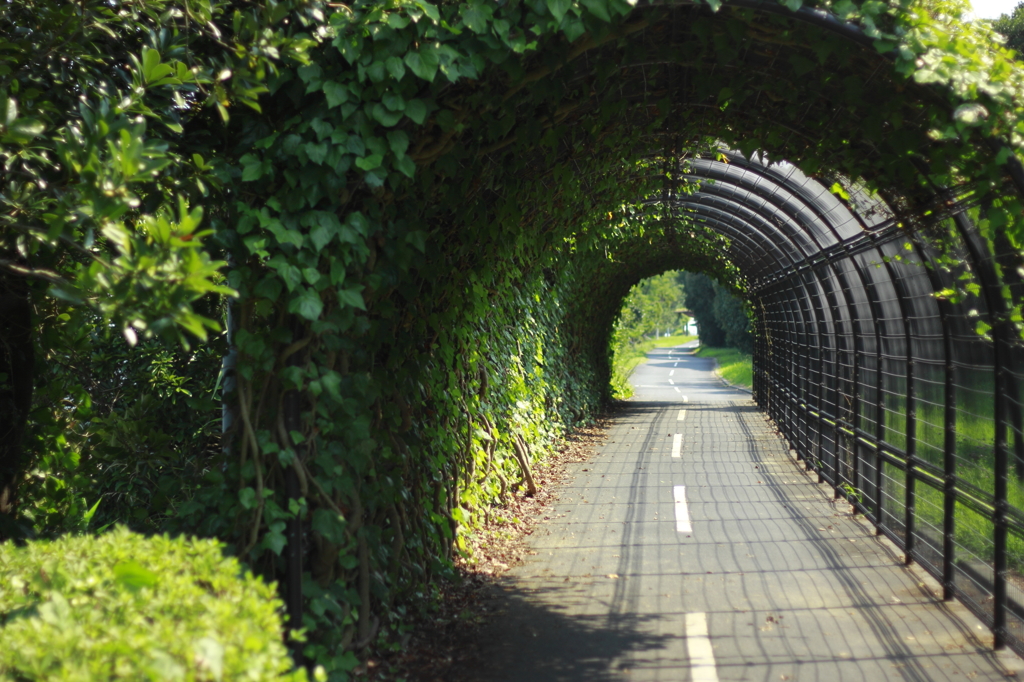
(882, 386)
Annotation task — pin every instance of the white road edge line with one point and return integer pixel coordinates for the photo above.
(682, 513)
(698, 646)
(677, 445)
(682, 415)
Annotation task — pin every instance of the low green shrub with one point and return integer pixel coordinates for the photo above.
(125, 606)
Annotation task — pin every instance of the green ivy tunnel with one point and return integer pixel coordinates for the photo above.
(433, 212)
(476, 300)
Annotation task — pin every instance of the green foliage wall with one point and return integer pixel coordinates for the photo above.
(432, 214)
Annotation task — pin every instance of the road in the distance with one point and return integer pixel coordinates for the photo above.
(693, 547)
(668, 371)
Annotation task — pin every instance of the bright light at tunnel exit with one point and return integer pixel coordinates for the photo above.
(992, 9)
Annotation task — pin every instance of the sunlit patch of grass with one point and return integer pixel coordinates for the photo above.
(735, 367)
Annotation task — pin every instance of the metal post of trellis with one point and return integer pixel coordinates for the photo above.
(992, 294)
(910, 418)
(949, 426)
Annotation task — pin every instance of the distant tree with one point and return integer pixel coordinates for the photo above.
(731, 315)
(700, 299)
(1012, 27)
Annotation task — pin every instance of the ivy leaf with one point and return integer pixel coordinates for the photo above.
(311, 74)
(321, 236)
(574, 27)
(252, 168)
(337, 94)
(247, 498)
(307, 304)
(838, 190)
(377, 71)
(317, 152)
(599, 8)
(330, 525)
(275, 540)
(352, 297)
(398, 140)
(844, 8)
(395, 67)
(429, 9)
(417, 240)
(423, 63)
(384, 117)
(368, 163)
(406, 166)
(358, 223)
(283, 234)
(290, 274)
(558, 8)
(393, 101)
(416, 110)
(355, 144)
(477, 17)
(331, 381)
(398, 21)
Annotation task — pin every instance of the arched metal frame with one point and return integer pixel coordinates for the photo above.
(878, 384)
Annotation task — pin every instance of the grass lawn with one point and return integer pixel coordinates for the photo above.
(735, 367)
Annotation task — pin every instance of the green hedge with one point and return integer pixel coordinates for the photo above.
(124, 606)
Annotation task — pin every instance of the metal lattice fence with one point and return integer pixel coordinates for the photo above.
(890, 367)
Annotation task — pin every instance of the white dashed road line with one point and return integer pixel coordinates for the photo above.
(698, 646)
(682, 513)
(677, 445)
(682, 415)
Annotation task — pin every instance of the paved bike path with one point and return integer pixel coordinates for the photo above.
(723, 562)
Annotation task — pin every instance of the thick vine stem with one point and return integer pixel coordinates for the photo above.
(250, 435)
(307, 475)
(291, 349)
(398, 544)
(364, 631)
(489, 448)
(523, 456)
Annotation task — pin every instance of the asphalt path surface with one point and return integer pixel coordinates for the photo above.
(693, 547)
